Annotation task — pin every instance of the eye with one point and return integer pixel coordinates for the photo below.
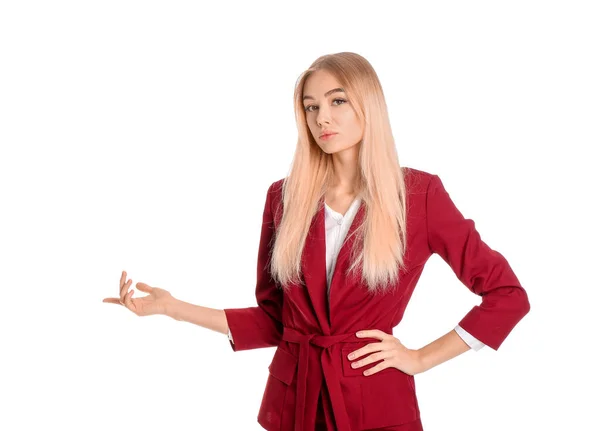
(308, 108)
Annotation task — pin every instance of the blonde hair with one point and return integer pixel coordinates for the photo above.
(381, 237)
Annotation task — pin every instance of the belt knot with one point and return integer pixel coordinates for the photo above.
(329, 371)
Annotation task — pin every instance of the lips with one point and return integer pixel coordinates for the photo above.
(326, 134)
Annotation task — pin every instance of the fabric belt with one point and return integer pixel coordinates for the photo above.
(329, 371)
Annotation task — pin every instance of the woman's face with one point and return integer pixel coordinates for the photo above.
(328, 111)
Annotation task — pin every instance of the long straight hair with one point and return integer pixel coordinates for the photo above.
(381, 237)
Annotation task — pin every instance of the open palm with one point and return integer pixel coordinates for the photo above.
(154, 303)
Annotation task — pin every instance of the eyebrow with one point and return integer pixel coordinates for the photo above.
(335, 90)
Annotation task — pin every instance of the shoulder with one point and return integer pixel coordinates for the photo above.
(417, 181)
(275, 192)
(275, 199)
(277, 184)
(275, 189)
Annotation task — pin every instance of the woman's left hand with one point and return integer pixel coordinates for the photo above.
(393, 353)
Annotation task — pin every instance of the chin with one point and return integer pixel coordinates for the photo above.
(339, 149)
(329, 150)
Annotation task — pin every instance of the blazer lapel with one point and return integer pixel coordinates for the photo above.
(314, 269)
(338, 278)
(314, 264)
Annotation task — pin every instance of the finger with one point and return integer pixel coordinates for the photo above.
(112, 300)
(372, 333)
(127, 300)
(371, 347)
(125, 288)
(375, 357)
(380, 366)
(122, 281)
(143, 287)
(123, 291)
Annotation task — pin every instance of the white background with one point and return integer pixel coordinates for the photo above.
(142, 136)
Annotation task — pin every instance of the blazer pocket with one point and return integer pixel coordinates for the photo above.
(281, 374)
(350, 383)
(388, 398)
(283, 366)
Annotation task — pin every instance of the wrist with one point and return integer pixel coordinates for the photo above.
(171, 308)
(420, 361)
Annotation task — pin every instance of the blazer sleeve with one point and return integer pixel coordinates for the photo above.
(483, 270)
(259, 326)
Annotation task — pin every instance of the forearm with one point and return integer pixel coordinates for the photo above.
(444, 348)
(210, 318)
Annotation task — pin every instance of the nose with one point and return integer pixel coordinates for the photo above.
(323, 117)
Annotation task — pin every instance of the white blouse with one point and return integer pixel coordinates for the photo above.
(336, 229)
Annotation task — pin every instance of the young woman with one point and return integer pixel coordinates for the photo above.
(345, 237)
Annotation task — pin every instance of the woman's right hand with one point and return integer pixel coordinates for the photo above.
(154, 303)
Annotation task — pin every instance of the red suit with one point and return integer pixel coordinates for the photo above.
(314, 336)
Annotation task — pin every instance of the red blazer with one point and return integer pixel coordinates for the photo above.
(313, 337)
